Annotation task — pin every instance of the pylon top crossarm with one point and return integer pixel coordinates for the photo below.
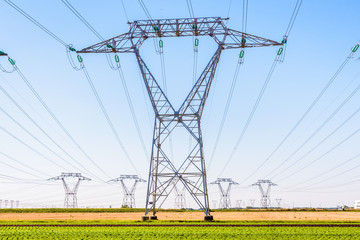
(214, 27)
(123, 177)
(66, 175)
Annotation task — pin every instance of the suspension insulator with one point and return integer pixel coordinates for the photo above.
(72, 49)
(279, 52)
(117, 58)
(161, 43)
(241, 54)
(79, 58)
(243, 40)
(194, 26)
(156, 29)
(196, 42)
(284, 41)
(2, 53)
(11, 61)
(355, 48)
(109, 46)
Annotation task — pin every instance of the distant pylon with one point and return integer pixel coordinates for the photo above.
(11, 203)
(129, 193)
(17, 204)
(278, 201)
(214, 202)
(252, 203)
(264, 187)
(180, 200)
(70, 193)
(6, 203)
(0, 203)
(225, 191)
(238, 203)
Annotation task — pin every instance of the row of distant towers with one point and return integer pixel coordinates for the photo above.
(9, 203)
(71, 191)
(224, 185)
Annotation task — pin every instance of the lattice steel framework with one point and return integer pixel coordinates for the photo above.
(162, 171)
(225, 201)
(129, 193)
(264, 187)
(70, 193)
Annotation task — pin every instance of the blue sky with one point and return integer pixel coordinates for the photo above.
(321, 39)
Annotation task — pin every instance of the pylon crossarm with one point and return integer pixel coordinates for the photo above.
(214, 27)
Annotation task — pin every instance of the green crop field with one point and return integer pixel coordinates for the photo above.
(177, 230)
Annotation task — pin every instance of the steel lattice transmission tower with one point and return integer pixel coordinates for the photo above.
(264, 187)
(225, 201)
(129, 193)
(70, 192)
(162, 169)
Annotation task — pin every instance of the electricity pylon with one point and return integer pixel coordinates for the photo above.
(278, 201)
(70, 193)
(180, 200)
(238, 203)
(163, 171)
(129, 193)
(225, 201)
(252, 203)
(264, 187)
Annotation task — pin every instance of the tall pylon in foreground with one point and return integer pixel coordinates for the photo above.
(163, 170)
(225, 201)
(70, 192)
(129, 193)
(264, 187)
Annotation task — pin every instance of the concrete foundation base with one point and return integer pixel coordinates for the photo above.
(153, 217)
(208, 218)
(145, 218)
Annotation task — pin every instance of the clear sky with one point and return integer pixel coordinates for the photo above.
(321, 39)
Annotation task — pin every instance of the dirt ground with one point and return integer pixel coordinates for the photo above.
(250, 216)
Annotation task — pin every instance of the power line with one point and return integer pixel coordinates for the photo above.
(323, 155)
(13, 5)
(41, 129)
(87, 24)
(307, 111)
(21, 163)
(232, 87)
(36, 94)
(321, 142)
(248, 121)
(190, 8)
(330, 170)
(57, 120)
(123, 5)
(20, 170)
(107, 117)
(31, 148)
